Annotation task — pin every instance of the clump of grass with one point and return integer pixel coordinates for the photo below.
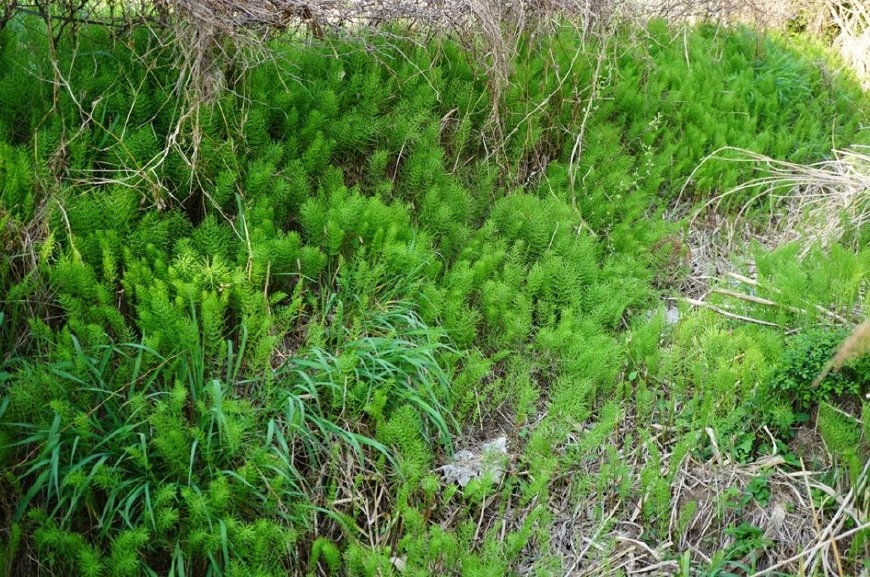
(818, 203)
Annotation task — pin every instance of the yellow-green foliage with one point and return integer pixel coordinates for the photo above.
(350, 268)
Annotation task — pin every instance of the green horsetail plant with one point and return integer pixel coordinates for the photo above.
(163, 446)
(343, 266)
(139, 442)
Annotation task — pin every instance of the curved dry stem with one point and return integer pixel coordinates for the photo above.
(820, 202)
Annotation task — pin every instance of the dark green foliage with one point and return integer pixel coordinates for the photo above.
(19, 204)
(805, 357)
(16, 176)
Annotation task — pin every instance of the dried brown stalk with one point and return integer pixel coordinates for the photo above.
(854, 346)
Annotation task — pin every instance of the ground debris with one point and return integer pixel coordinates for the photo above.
(487, 460)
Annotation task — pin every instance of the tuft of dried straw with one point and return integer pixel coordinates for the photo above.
(854, 346)
(852, 20)
(818, 203)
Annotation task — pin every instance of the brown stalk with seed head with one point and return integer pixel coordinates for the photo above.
(852, 347)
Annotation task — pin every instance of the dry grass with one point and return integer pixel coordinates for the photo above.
(854, 346)
(760, 13)
(852, 20)
(814, 204)
(817, 204)
(799, 537)
(598, 529)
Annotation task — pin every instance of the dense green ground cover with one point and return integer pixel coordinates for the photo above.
(246, 353)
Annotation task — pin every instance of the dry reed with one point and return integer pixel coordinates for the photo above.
(817, 203)
(856, 345)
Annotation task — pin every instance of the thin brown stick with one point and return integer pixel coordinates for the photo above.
(812, 549)
(755, 299)
(730, 315)
(819, 308)
(577, 150)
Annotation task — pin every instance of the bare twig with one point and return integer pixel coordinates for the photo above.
(730, 315)
(812, 549)
(752, 282)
